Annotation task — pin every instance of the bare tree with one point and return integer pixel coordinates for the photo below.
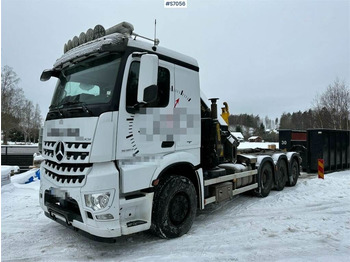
(17, 112)
(26, 119)
(9, 82)
(30, 121)
(332, 107)
(37, 123)
(12, 98)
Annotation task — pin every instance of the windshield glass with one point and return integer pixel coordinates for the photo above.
(88, 82)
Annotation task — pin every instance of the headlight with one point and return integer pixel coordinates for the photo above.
(97, 201)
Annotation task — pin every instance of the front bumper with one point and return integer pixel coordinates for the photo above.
(80, 230)
(69, 206)
(123, 215)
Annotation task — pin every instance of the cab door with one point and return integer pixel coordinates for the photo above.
(146, 130)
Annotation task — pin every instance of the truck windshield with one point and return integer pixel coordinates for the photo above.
(88, 82)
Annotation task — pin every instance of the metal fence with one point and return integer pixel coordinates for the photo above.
(18, 155)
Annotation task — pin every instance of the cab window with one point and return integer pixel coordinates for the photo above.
(163, 83)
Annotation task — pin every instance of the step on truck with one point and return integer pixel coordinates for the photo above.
(131, 143)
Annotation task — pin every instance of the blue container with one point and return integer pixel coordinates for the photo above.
(37, 174)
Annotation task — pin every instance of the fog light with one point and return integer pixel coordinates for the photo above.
(105, 217)
(97, 201)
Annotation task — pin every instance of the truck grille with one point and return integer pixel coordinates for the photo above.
(67, 163)
(66, 174)
(67, 152)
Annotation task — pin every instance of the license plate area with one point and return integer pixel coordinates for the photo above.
(59, 202)
(59, 193)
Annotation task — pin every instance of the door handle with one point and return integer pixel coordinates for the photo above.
(167, 144)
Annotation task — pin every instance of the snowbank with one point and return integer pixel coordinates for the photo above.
(27, 177)
(308, 222)
(6, 172)
(23, 178)
(5, 175)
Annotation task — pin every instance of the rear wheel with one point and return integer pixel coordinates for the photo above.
(281, 175)
(174, 207)
(266, 180)
(294, 173)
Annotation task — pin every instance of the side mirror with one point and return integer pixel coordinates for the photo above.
(150, 94)
(48, 73)
(147, 89)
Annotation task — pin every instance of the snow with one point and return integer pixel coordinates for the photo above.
(308, 222)
(6, 174)
(238, 135)
(20, 144)
(264, 145)
(9, 169)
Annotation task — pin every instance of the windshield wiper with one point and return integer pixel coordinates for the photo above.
(56, 107)
(79, 103)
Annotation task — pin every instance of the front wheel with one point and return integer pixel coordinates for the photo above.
(174, 207)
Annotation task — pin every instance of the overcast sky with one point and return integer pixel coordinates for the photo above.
(262, 57)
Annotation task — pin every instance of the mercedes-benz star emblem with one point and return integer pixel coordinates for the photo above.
(59, 151)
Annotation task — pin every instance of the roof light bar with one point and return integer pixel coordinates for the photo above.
(124, 28)
(98, 31)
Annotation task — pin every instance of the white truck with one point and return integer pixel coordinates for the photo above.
(130, 142)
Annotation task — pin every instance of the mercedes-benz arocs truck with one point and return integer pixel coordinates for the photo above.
(131, 143)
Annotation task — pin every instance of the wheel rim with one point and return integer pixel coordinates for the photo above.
(179, 208)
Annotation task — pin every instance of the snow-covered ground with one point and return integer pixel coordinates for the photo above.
(308, 222)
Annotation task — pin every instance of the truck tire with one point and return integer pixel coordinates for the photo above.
(294, 173)
(174, 207)
(266, 180)
(281, 175)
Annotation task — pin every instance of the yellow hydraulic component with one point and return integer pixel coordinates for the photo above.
(225, 113)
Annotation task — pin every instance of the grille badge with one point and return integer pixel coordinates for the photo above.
(59, 151)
